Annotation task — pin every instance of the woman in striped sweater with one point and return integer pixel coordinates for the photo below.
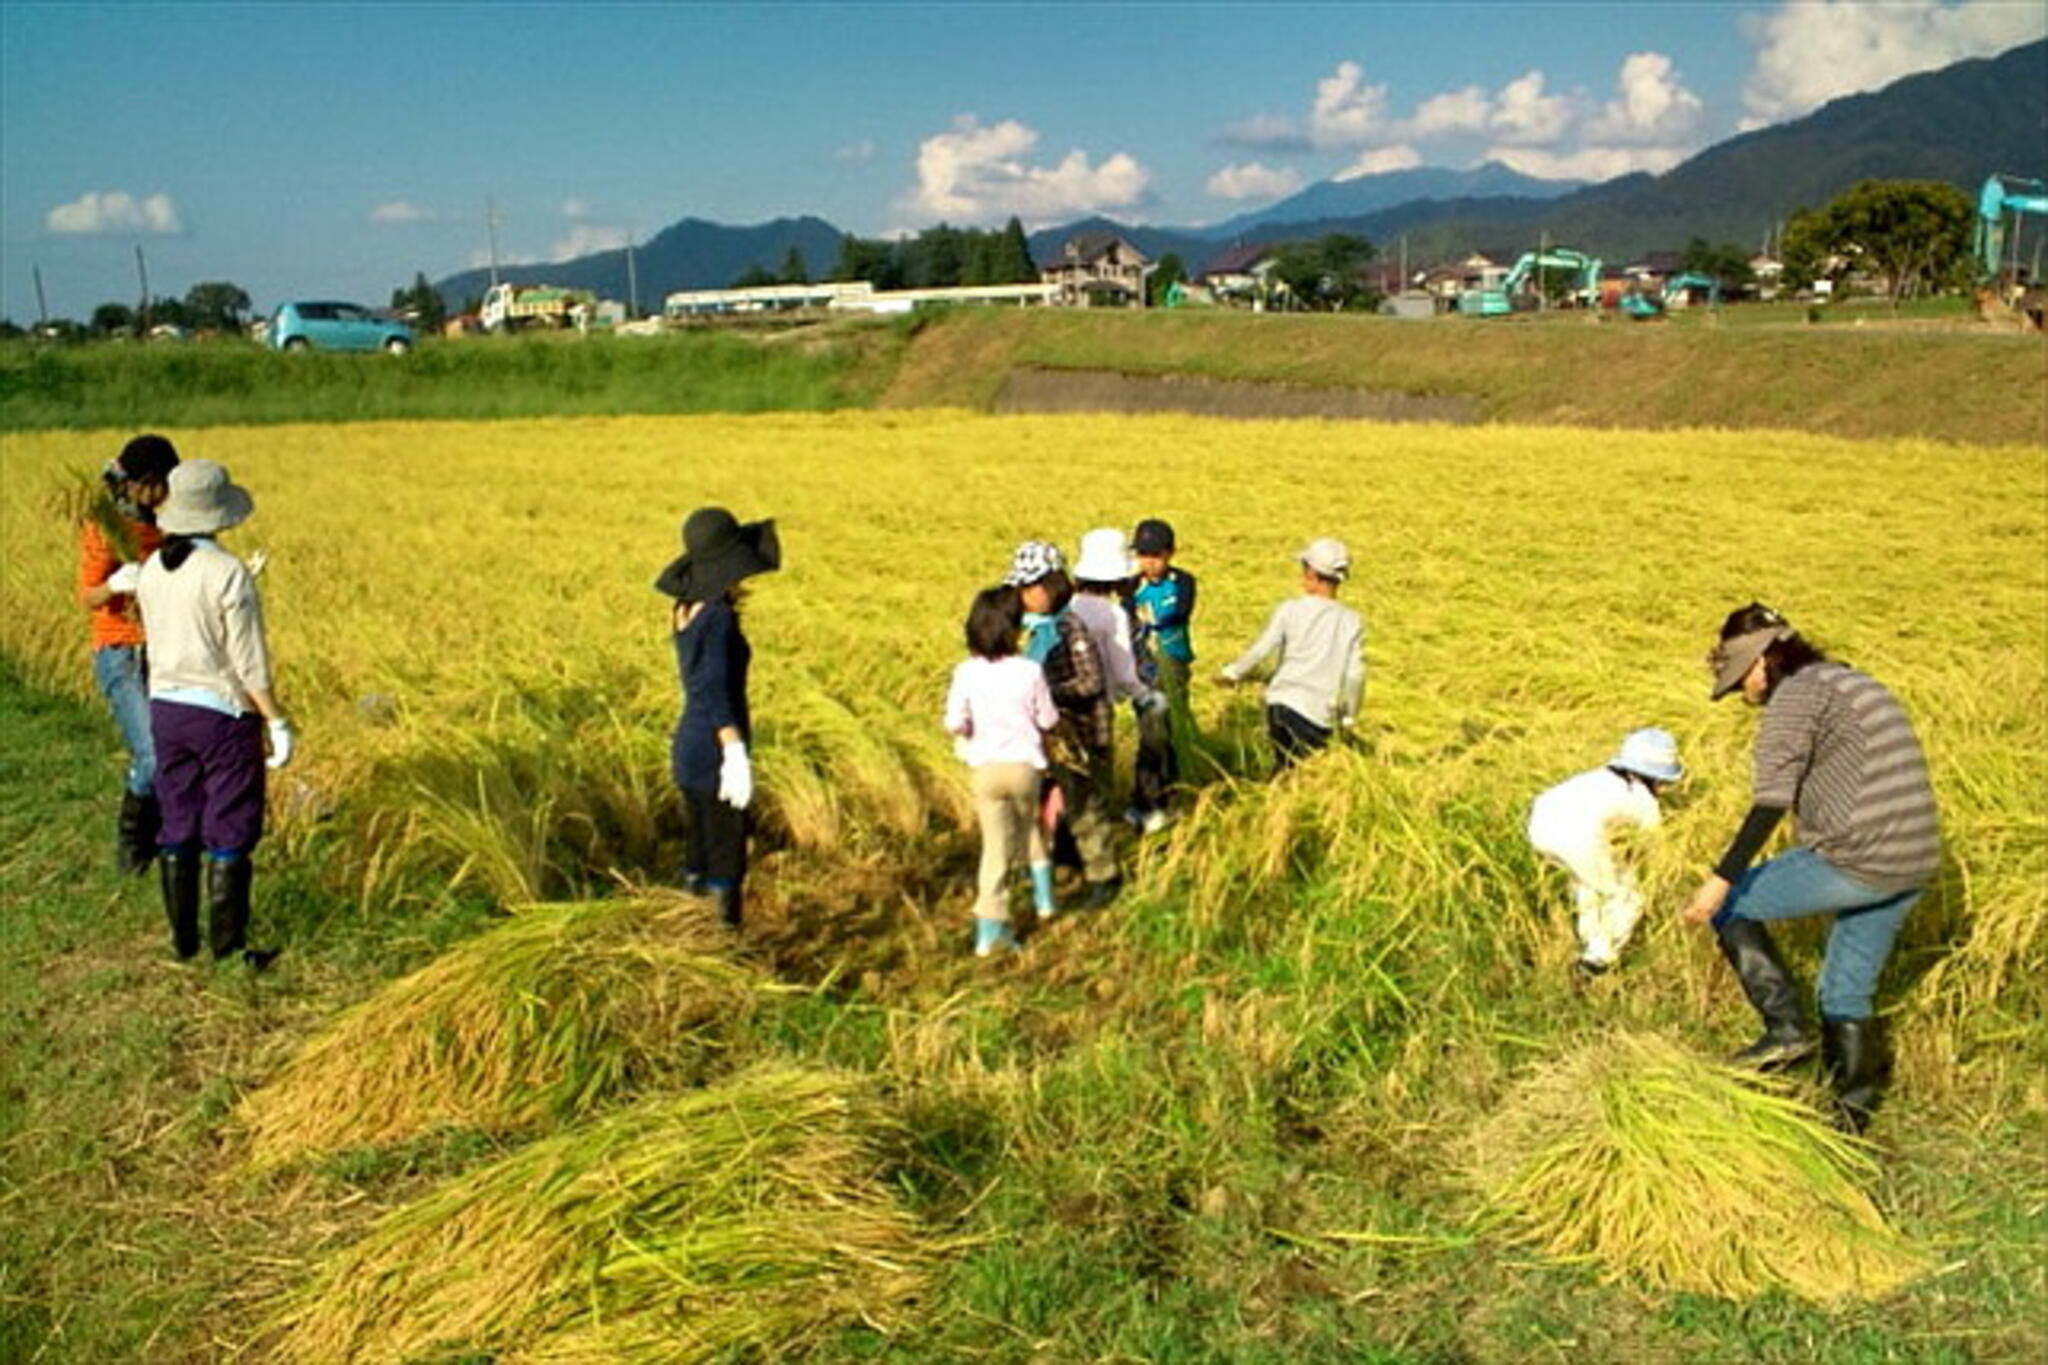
(1836, 749)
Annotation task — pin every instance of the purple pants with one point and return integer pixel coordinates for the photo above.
(209, 776)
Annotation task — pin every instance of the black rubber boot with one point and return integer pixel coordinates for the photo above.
(135, 837)
(1754, 958)
(1858, 1064)
(178, 870)
(727, 899)
(227, 905)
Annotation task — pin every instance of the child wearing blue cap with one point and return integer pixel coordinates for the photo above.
(1574, 825)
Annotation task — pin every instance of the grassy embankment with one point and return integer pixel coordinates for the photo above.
(1842, 379)
(1973, 386)
(1227, 1121)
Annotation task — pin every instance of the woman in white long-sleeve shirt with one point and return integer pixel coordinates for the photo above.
(210, 701)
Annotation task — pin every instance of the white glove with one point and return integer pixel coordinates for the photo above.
(256, 563)
(124, 579)
(736, 776)
(1149, 701)
(281, 741)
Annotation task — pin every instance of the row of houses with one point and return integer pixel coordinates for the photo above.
(1106, 270)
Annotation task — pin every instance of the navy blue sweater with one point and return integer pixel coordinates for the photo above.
(711, 658)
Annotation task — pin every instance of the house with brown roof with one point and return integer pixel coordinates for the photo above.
(1242, 276)
(1098, 270)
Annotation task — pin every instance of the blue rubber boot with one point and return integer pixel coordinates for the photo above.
(1041, 890)
(992, 936)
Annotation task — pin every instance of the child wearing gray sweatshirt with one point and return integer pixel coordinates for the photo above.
(1318, 681)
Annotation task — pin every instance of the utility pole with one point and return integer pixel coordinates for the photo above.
(1404, 263)
(632, 283)
(491, 228)
(42, 307)
(1542, 285)
(142, 313)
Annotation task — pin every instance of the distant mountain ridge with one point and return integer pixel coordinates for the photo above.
(1958, 124)
(689, 254)
(1330, 200)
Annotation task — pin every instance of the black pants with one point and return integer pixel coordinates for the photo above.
(1294, 736)
(717, 846)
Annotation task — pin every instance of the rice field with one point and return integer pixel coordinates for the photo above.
(1253, 1082)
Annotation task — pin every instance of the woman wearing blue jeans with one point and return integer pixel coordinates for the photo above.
(1836, 749)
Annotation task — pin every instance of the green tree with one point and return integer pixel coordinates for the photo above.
(10, 330)
(421, 303)
(794, 271)
(1726, 262)
(1914, 233)
(216, 304)
(755, 276)
(1325, 273)
(942, 258)
(1169, 272)
(1012, 263)
(165, 311)
(113, 319)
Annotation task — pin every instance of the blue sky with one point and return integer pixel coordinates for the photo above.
(334, 149)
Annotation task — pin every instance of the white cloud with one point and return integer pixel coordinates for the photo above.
(1812, 51)
(1254, 181)
(400, 211)
(1347, 112)
(1587, 163)
(114, 211)
(861, 150)
(1380, 160)
(1454, 111)
(574, 208)
(1654, 105)
(1526, 117)
(980, 174)
(586, 238)
(1269, 132)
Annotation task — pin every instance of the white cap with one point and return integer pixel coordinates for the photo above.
(1327, 557)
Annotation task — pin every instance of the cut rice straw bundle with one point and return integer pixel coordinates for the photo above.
(540, 1019)
(1632, 1156)
(743, 1218)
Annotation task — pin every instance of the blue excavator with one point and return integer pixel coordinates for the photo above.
(2003, 283)
(1493, 303)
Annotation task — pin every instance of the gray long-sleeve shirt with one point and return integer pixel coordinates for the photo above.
(1321, 669)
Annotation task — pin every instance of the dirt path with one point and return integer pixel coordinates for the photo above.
(1029, 390)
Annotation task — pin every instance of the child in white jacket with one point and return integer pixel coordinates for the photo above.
(1574, 824)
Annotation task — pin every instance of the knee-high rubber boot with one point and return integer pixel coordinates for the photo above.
(1754, 958)
(178, 870)
(1858, 1064)
(726, 897)
(135, 835)
(227, 904)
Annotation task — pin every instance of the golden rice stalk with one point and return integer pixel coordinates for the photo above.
(746, 1217)
(541, 1018)
(83, 498)
(1649, 1164)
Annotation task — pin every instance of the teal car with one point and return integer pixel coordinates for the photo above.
(331, 326)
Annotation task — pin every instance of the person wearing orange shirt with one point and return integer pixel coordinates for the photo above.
(111, 548)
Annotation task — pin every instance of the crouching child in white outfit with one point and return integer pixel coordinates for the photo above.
(1574, 825)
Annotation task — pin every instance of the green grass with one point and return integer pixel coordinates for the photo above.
(1563, 369)
(229, 382)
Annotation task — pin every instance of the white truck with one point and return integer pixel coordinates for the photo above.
(510, 307)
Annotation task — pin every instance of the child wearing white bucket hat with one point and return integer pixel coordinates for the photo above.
(1574, 825)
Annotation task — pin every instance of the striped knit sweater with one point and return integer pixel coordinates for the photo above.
(1837, 750)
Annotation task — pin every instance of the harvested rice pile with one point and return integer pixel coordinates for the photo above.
(542, 1018)
(745, 1217)
(1652, 1165)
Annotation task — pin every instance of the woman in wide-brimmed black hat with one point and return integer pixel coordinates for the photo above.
(709, 755)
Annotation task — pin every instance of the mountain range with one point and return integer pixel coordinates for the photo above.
(1958, 124)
